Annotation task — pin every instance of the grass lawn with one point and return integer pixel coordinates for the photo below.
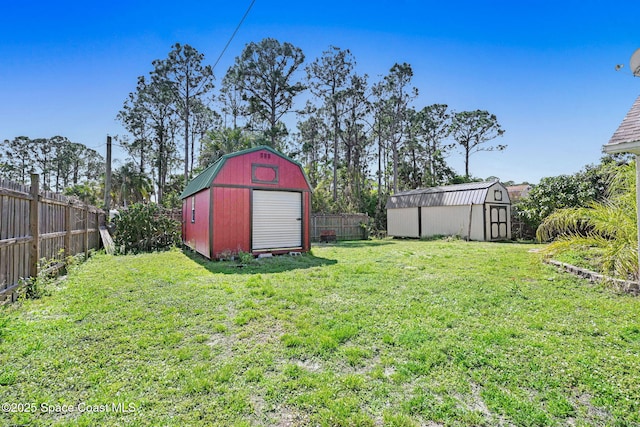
(380, 333)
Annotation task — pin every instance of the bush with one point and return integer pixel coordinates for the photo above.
(567, 191)
(49, 271)
(609, 226)
(552, 193)
(143, 228)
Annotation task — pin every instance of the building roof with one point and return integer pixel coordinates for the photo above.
(627, 137)
(205, 178)
(473, 193)
(518, 191)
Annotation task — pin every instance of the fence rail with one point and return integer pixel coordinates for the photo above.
(346, 226)
(38, 225)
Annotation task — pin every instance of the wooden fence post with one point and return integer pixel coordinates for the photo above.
(98, 223)
(86, 231)
(68, 229)
(34, 226)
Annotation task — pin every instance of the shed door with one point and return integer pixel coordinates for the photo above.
(498, 222)
(276, 220)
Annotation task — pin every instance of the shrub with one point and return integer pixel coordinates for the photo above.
(552, 193)
(610, 226)
(143, 228)
(49, 270)
(245, 257)
(590, 185)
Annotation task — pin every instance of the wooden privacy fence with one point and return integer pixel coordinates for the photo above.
(346, 226)
(38, 225)
(174, 214)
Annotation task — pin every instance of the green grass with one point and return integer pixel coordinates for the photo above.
(584, 257)
(381, 333)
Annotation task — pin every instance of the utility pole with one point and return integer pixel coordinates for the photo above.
(107, 183)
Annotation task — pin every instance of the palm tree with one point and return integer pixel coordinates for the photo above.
(130, 186)
(223, 141)
(610, 226)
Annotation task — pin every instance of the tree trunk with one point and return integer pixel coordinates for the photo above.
(336, 126)
(160, 171)
(186, 134)
(379, 167)
(466, 163)
(58, 173)
(142, 157)
(272, 121)
(395, 167)
(193, 149)
(415, 180)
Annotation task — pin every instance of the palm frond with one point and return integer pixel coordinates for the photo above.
(610, 225)
(562, 221)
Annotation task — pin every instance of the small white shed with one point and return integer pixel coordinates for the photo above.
(474, 211)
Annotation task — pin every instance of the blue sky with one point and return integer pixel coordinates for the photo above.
(545, 68)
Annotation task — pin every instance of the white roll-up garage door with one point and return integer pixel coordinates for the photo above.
(277, 220)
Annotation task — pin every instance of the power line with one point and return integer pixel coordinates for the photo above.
(233, 35)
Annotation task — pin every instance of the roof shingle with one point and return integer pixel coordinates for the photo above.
(629, 129)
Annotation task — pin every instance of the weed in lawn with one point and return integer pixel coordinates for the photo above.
(246, 316)
(245, 257)
(254, 375)
(398, 420)
(7, 378)
(356, 356)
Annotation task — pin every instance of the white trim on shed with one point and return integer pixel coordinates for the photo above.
(475, 211)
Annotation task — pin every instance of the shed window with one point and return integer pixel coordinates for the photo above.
(497, 194)
(264, 174)
(193, 209)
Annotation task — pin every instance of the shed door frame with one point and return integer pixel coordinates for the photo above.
(498, 222)
(293, 220)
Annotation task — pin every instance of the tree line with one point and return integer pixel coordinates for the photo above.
(358, 140)
(71, 168)
(61, 163)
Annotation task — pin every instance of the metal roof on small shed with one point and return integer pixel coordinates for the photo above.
(205, 178)
(472, 193)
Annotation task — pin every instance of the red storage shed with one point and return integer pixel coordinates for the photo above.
(256, 200)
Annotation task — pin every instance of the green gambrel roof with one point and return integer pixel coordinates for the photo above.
(205, 178)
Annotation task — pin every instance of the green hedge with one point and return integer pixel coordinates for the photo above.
(143, 228)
